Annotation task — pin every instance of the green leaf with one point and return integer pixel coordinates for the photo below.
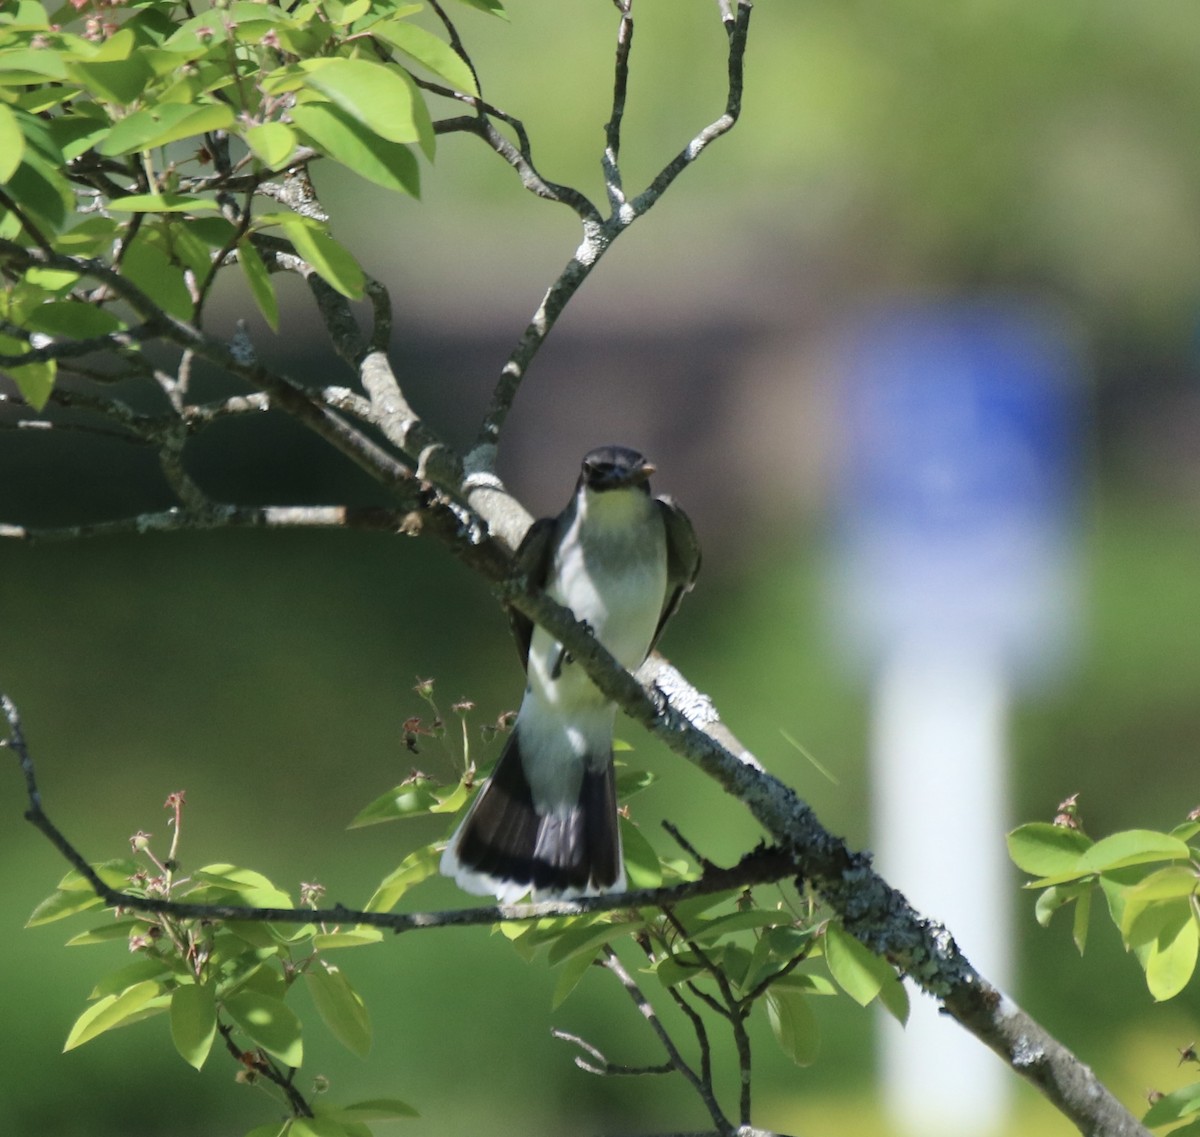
(858, 971)
(1133, 847)
(378, 1109)
(430, 52)
(416, 867)
(38, 187)
(794, 1025)
(345, 11)
(341, 1009)
(1079, 928)
(35, 381)
(642, 867)
(1169, 957)
(272, 143)
(25, 15)
(22, 65)
(115, 873)
(1042, 849)
(1165, 884)
(261, 978)
(258, 279)
(569, 975)
(77, 134)
(631, 780)
(12, 143)
(1186, 831)
(269, 1023)
(344, 139)
(72, 318)
(688, 912)
(1174, 1106)
(106, 933)
(116, 73)
(1115, 886)
(60, 904)
(678, 968)
(492, 7)
(382, 98)
(151, 270)
(1057, 896)
(764, 964)
(316, 1127)
(110, 1012)
(271, 1129)
(253, 888)
(162, 124)
(193, 1022)
(589, 938)
(453, 801)
(350, 937)
(1172, 883)
(124, 977)
(413, 798)
(163, 203)
(326, 257)
(708, 931)
(893, 996)
(261, 934)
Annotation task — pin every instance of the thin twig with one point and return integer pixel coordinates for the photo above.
(600, 1065)
(611, 963)
(598, 234)
(518, 157)
(731, 1008)
(612, 129)
(260, 1063)
(737, 28)
(693, 1016)
(685, 844)
(456, 43)
(27, 223)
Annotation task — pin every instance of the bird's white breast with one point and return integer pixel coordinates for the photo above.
(611, 571)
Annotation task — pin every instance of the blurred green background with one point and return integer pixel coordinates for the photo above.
(888, 150)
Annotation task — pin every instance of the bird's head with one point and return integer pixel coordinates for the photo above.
(614, 468)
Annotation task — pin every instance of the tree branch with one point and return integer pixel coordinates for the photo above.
(219, 515)
(670, 708)
(870, 909)
(599, 234)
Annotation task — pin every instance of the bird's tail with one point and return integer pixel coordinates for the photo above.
(508, 845)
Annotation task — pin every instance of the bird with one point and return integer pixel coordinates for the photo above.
(545, 823)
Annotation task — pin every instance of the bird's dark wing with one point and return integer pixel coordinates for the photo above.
(532, 561)
(683, 559)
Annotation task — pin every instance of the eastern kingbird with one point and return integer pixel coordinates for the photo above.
(546, 820)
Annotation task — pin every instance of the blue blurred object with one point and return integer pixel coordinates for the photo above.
(957, 497)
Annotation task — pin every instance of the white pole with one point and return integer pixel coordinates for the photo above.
(938, 754)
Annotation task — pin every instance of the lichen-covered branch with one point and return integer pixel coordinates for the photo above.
(871, 910)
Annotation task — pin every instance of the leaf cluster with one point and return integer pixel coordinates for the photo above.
(1150, 885)
(227, 980)
(169, 141)
(224, 978)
